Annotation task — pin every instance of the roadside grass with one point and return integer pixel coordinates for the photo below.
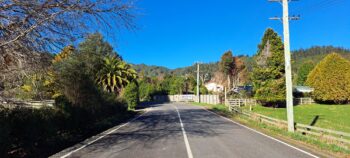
(295, 138)
(334, 117)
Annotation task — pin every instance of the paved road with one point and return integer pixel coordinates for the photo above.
(183, 131)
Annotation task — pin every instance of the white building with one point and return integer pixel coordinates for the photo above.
(214, 87)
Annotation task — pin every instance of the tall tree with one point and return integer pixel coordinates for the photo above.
(331, 80)
(93, 51)
(238, 71)
(268, 75)
(226, 66)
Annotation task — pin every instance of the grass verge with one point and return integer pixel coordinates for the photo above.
(334, 117)
(324, 149)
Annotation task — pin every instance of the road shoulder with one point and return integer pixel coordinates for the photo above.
(70, 150)
(295, 143)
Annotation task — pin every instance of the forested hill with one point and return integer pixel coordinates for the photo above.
(151, 70)
(316, 54)
(313, 54)
(209, 68)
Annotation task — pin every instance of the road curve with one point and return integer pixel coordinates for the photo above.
(181, 131)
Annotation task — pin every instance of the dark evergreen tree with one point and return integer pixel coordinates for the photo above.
(268, 75)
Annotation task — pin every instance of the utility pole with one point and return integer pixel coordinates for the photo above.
(287, 58)
(198, 97)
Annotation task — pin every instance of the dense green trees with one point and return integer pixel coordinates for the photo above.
(331, 80)
(82, 108)
(268, 75)
(303, 72)
(89, 69)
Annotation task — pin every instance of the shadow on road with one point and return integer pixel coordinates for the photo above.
(161, 126)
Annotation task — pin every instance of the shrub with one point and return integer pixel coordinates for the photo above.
(131, 95)
(331, 80)
(146, 90)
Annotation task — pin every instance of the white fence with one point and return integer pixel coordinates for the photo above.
(209, 99)
(303, 101)
(253, 102)
(13, 103)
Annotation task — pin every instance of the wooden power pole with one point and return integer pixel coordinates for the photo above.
(287, 58)
(198, 97)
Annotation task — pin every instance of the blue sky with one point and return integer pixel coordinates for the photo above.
(177, 33)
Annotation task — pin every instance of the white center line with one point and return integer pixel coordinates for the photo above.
(188, 148)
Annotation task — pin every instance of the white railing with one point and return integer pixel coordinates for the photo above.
(209, 99)
(303, 101)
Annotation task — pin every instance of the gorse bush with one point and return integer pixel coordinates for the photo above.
(331, 80)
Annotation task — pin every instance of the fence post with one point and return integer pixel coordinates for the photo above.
(250, 106)
(225, 97)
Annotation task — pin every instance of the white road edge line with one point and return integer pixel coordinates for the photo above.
(284, 143)
(70, 153)
(188, 148)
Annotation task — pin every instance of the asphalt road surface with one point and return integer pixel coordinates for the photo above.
(182, 131)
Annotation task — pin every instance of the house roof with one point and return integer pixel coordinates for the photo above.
(303, 89)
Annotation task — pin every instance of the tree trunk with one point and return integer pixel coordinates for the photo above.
(228, 82)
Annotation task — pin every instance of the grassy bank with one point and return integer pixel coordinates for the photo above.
(335, 117)
(329, 150)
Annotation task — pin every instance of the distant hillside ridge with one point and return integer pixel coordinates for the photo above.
(314, 54)
(151, 70)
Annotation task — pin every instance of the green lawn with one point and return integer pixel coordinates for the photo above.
(336, 117)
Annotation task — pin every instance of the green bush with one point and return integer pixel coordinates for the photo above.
(146, 90)
(131, 95)
(331, 80)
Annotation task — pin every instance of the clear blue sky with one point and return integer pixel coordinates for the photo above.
(177, 33)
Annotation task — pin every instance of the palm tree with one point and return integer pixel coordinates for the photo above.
(115, 74)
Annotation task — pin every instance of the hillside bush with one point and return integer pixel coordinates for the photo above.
(331, 80)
